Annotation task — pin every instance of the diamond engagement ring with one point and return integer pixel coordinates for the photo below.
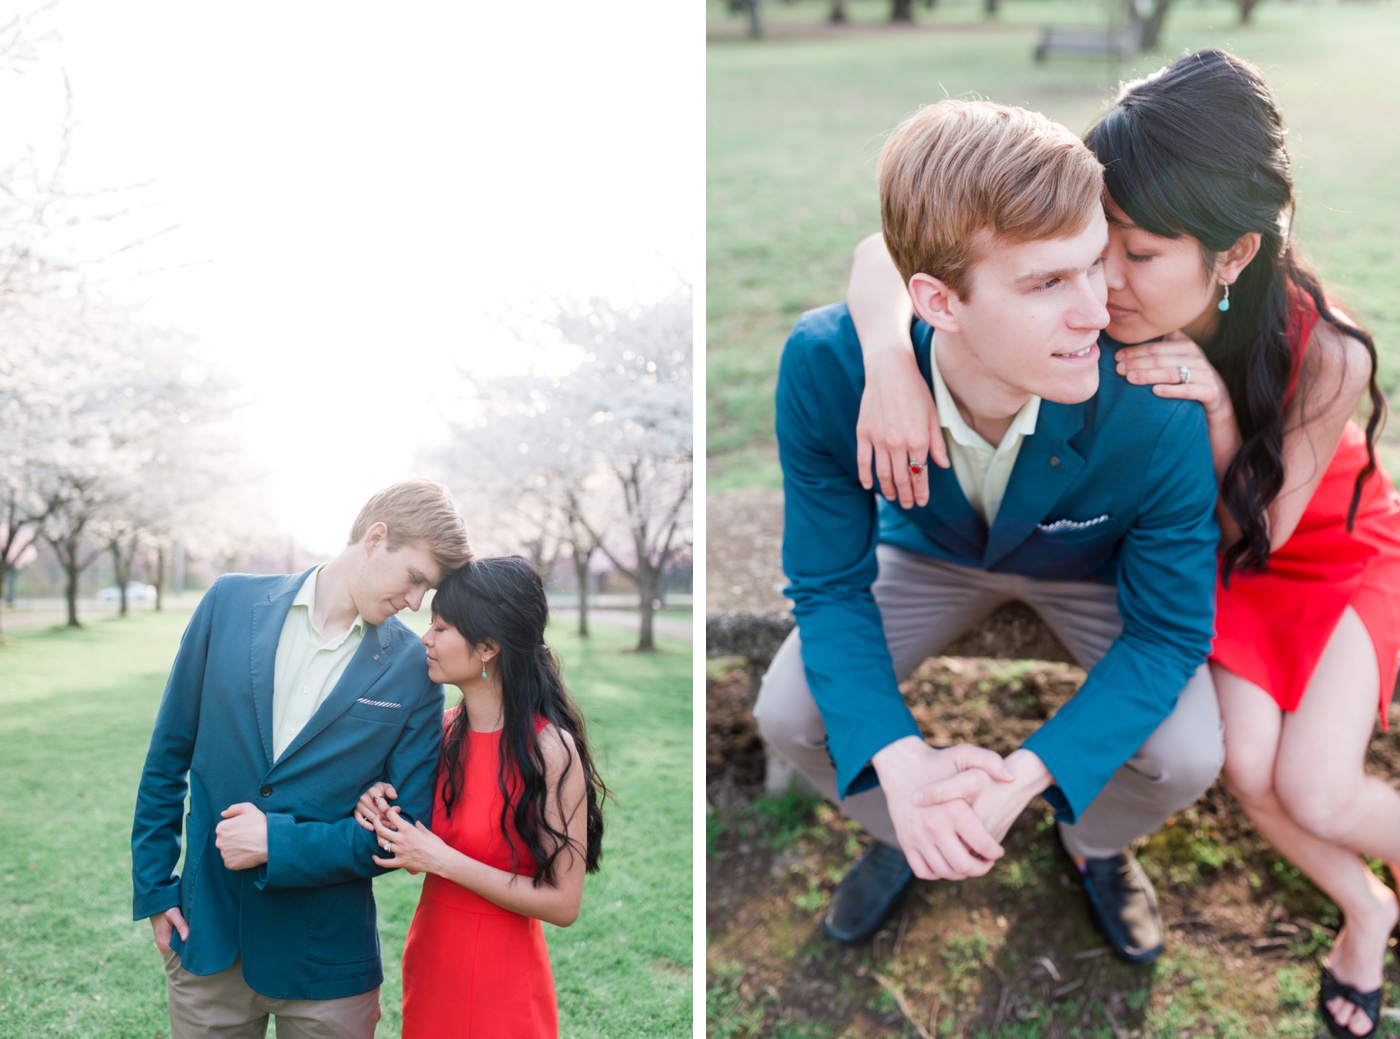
(1183, 373)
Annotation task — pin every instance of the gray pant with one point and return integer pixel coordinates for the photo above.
(924, 605)
(222, 1006)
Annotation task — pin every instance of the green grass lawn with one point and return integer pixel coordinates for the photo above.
(796, 121)
(76, 710)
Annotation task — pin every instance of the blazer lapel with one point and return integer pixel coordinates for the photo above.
(959, 527)
(1045, 468)
(269, 616)
(366, 667)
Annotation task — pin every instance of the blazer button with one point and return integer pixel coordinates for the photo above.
(266, 790)
(1054, 461)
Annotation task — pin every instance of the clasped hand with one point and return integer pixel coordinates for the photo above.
(242, 837)
(950, 808)
(409, 847)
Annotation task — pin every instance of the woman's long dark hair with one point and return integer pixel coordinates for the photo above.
(1198, 149)
(502, 600)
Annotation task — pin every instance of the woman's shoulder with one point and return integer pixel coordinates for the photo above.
(1333, 357)
(556, 744)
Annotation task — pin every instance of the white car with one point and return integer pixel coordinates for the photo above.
(135, 592)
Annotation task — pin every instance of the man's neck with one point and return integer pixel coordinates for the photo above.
(985, 401)
(335, 608)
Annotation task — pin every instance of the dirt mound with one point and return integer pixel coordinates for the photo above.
(1014, 953)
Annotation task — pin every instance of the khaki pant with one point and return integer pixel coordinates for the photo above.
(924, 605)
(222, 1006)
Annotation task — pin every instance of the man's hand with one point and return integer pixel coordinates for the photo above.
(997, 805)
(242, 836)
(944, 840)
(164, 923)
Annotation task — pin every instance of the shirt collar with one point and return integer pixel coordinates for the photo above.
(950, 418)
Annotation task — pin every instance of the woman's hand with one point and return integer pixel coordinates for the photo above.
(414, 848)
(373, 803)
(898, 424)
(1162, 364)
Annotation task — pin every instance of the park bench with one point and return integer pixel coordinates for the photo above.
(1089, 41)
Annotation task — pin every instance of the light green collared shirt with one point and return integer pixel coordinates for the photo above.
(983, 471)
(307, 666)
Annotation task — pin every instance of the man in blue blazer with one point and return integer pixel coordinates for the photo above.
(1089, 499)
(289, 697)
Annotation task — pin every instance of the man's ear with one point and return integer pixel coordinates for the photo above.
(1232, 262)
(934, 302)
(376, 534)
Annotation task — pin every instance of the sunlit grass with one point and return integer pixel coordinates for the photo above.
(795, 122)
(76, 710)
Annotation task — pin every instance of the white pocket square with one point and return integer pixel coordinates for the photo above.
(1062, 525)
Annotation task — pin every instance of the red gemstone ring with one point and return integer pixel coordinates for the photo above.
(916, 467)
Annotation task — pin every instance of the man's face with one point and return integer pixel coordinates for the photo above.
(1034, 312)
(392, 579)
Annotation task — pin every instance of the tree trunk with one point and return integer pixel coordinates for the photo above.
(646, 589)
(755, 25)
(902, 11)
(991, 7)
(70, 593)
(581, 572)
(1152, 25)
(160, 577)
(68, 549)
(122, 570)
(838, 12)
(1247, 10)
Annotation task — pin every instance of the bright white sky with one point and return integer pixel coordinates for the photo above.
(361, 188)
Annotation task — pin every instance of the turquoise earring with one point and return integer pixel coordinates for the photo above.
(1224, 303)
(483, 669)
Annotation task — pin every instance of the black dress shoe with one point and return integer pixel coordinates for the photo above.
(1125, 906)
(868, 895)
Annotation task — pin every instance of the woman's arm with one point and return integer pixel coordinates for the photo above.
(419, 850)
(898, 421)
(1337, 372)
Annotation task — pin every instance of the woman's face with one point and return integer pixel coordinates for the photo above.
(1156, 285)
(451, 659)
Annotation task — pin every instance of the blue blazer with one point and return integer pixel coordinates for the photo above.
(304, 922)
(1119, 490)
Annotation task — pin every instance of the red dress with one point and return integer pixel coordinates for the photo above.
(1271, 627)
(472, 970)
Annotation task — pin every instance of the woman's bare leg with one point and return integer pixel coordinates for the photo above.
(1301, 779)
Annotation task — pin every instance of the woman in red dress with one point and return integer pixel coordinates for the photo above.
(1202, 278)
(516, 824)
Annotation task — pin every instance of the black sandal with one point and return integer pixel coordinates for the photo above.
(1368, 1002)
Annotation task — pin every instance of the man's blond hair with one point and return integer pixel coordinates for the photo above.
(957, 176)
(418, 510)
